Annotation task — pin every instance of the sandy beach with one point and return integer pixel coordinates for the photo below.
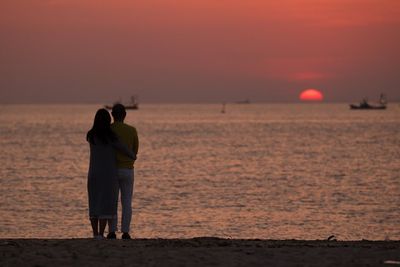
(203, 251)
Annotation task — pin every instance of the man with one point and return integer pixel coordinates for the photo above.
(128, 135)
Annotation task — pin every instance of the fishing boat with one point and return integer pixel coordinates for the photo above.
(246, 101)
(365, 105)
(133, 104)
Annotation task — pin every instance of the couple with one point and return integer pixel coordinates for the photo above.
(113, 150)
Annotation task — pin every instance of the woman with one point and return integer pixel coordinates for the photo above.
(102, 176)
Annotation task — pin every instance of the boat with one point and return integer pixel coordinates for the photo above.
(365, 105)
(223, 108)
(246, 101)
(134, 104)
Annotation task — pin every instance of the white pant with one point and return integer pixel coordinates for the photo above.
(125, 185)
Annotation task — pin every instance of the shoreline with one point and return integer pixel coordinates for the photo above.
(201, 251)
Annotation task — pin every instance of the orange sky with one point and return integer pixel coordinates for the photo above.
(196, 51)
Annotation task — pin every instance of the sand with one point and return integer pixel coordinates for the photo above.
(197, 252)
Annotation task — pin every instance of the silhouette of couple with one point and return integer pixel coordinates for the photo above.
(113, 150)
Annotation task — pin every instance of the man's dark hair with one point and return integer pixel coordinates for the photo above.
(118, 112)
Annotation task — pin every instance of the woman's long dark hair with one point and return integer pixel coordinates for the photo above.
(101, 128)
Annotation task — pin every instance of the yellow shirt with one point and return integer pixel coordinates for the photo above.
(128, 136)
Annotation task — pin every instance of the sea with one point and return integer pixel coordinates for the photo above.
(257, 171)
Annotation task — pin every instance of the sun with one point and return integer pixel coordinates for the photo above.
(311, 95)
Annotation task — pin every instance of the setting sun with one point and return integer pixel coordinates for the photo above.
(311, 95)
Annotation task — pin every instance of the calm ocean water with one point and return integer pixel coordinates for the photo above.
(276, 171)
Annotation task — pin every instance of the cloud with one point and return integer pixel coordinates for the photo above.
(345, 13)
(299, 69)
(309, 76)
